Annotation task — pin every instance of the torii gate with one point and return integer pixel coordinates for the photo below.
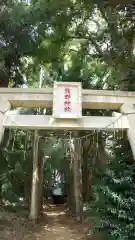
(64, 117)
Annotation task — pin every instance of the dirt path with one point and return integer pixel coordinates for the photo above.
(55, 225)
(61, 227)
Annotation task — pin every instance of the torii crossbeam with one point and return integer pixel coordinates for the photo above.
(39, 122)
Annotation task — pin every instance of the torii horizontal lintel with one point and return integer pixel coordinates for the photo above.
(48, 122)
(91, 99)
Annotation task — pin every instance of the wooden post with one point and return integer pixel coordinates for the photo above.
(70, 179)
(77, 171)
(128, 108)
(37, 181)
(34, 208)
(41, 167)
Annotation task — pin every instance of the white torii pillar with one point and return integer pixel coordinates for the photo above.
(4, 108)
(129, 109)
(34, 207)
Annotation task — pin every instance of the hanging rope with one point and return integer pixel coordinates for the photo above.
(95, 132)
(115, 132)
